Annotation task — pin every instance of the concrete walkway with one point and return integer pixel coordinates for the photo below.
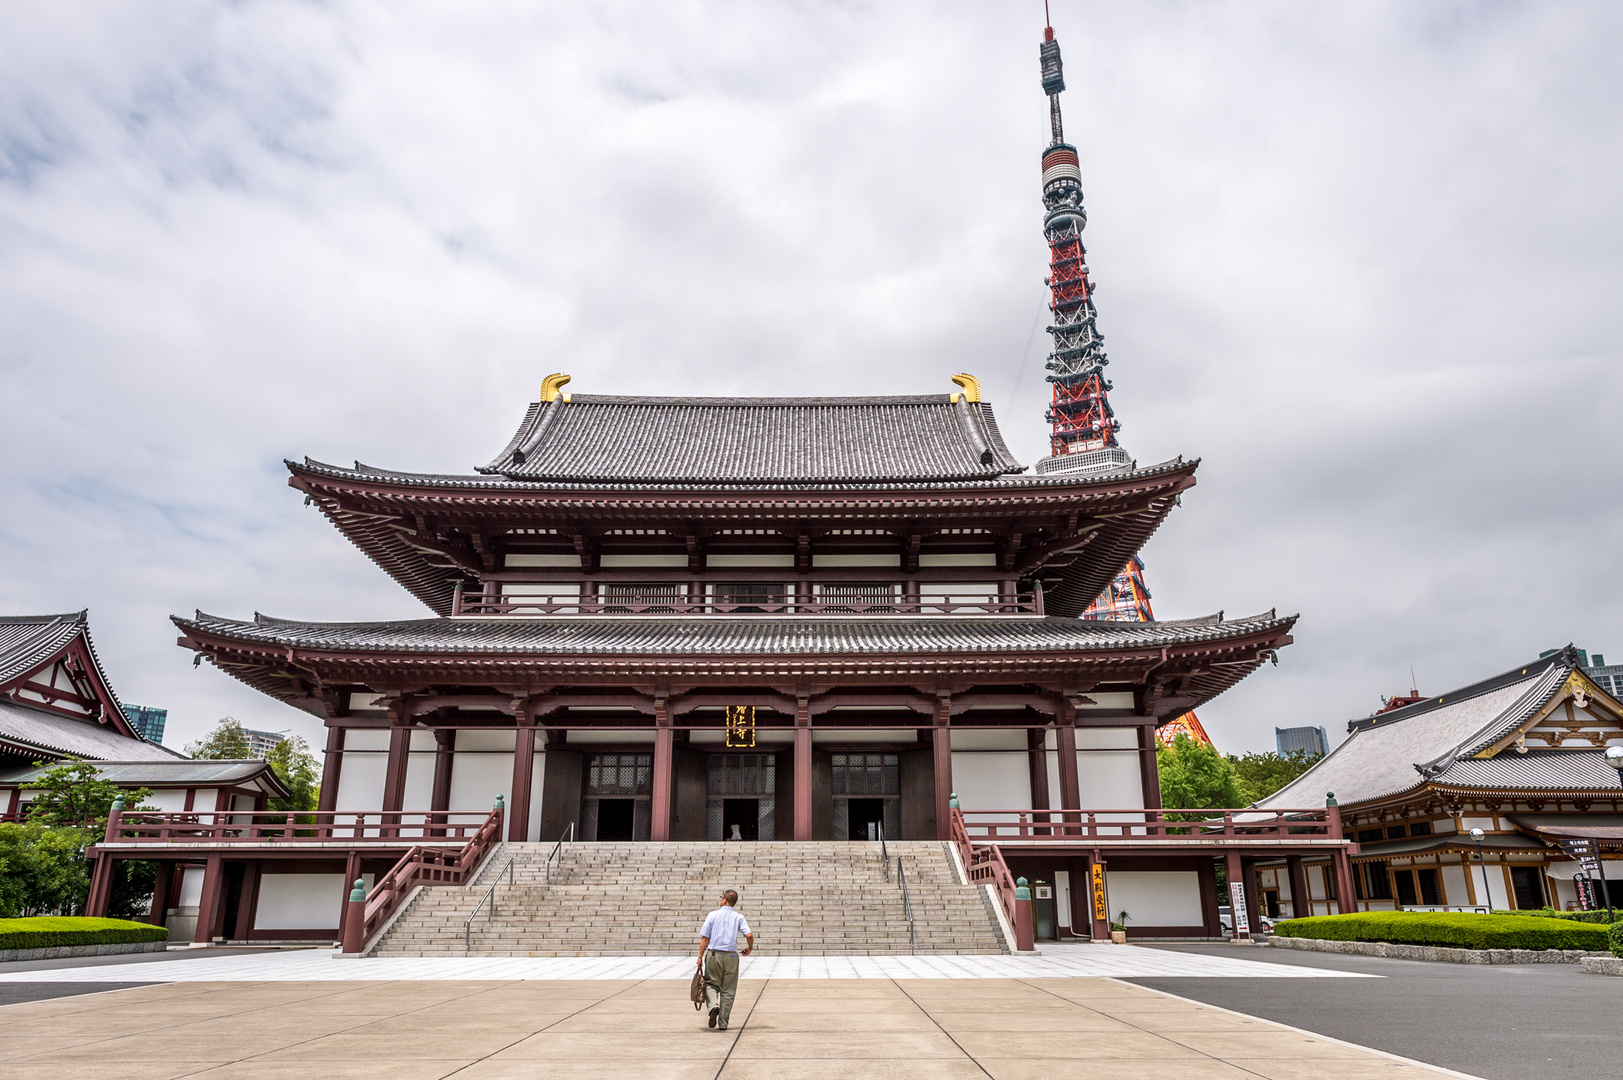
(598, 1030)
(320, 965)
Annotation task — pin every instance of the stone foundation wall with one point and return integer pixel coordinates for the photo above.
(1433, 953)
(59, 951)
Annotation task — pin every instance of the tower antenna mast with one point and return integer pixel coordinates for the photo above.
(1082, 425)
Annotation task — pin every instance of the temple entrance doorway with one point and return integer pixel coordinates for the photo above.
(616, 797)
(867, 793)
(742, 797)
(865, 816)
(616, 819)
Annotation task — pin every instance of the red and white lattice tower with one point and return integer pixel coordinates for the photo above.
(1083, 426)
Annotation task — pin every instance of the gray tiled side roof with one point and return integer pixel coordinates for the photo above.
(27, 730)
(1535, 770)
(167, 772)
(596, 438)
(26, 641)
(1386, 754)
(745, 635)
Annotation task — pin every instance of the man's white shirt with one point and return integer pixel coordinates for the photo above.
(723, 927)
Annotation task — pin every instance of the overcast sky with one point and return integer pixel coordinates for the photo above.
(1362, 259)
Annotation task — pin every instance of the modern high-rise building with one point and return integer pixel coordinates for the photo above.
(1314, 740)
(261, 742)
(147, 720)
(1609, 677)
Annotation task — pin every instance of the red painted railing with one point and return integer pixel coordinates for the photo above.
(665, 604)
(985, 865)
(293, 827)
(425, 866)
(1171, 825)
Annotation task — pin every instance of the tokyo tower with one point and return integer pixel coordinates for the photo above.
(1083, 426)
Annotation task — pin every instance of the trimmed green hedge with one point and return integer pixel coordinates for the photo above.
(53, 931)
(1615, 938)
(1450, 930)
(1551, 913)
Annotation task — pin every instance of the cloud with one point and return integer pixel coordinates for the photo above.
(1361, 260)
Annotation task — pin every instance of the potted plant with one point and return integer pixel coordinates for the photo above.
(1118, 929)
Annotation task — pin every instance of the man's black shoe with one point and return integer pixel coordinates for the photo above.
(715, 1012)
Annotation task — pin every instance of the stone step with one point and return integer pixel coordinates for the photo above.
(604, 899)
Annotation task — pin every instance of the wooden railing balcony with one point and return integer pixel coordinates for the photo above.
(1173, 826)
(464, 603)
(295, 827)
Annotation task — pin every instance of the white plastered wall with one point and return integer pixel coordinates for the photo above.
(992, 780)
(1455, 891)
(361, 779)
(483, 769)
(1155, 897)
(169, 800)
(299, 901)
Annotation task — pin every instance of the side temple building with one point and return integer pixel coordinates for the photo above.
(793, 619)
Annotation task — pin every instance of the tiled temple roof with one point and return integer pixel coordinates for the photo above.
(27, 641)
(642, 440)
(1433, 742)
(168, 771)
(754, 635)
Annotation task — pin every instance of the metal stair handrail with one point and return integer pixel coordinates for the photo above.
(490, 894)
(884, 852)
(558, 850)
(907, 904)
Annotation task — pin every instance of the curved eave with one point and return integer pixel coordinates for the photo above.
(363, 503)
(275, 657)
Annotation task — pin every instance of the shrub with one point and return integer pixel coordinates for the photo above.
(1615, 938)
(1449, 930)
(50, 931)
(1551, 913)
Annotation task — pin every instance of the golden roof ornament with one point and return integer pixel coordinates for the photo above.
(971, 385)
(551, 387)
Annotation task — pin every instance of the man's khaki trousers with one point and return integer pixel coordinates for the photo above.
(720, 983)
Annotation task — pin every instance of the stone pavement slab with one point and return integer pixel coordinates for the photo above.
(314, 966)
(621, 1029)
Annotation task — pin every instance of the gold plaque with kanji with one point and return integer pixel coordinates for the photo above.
(741, 725)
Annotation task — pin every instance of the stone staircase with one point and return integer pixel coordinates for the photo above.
(647, 899)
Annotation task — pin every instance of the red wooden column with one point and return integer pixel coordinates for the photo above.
(1070, 788)
(1037, 758)
(394, 781)
(332, 765)
(941, 747)
(101, 887)
(803, 768)
(248, 903)
(1148, 767)
(518, 807)
(439, 800)
(1301, 899)
(160, 894)
(664, 770)
(352, 870)
(211, 905)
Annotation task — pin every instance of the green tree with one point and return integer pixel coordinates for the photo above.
(227, 742)
(1196, 777)
(72, 793)
(71, 809)
(1263, 774)
(43, 870)
(296, 768)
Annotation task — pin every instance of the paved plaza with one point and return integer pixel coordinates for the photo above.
(597, 1029)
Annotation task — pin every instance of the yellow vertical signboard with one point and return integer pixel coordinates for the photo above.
(1101, 909)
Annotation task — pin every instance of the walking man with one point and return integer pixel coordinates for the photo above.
(718, 957)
